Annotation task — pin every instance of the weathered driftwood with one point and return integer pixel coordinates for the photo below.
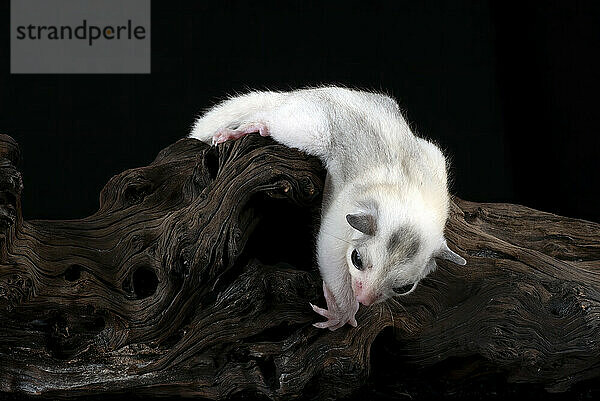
(194, 278)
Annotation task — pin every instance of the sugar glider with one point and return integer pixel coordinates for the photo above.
(387, 199)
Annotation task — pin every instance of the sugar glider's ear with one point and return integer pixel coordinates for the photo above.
(446, 253)
(363, 222)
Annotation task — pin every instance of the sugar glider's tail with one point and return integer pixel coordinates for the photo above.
(233, 112)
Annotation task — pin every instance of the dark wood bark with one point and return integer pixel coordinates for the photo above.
(194, 278)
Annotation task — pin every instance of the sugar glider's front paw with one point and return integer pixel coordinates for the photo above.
(337, 315)
(226, 134)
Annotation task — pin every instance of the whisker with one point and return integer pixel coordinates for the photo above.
(435, 281)
(338, 238)
(391, 315)
(400, 304)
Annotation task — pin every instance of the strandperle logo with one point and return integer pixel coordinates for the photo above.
(80, 36)
(85, 31)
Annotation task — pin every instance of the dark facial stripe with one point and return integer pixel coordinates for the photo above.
(413, 248)
(404, 242)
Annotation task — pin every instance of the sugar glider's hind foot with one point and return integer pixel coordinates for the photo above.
(336, 316)
(226, 134)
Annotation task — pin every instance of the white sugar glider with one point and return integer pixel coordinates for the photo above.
(386, 200)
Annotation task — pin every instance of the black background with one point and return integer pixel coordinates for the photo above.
(509, 90)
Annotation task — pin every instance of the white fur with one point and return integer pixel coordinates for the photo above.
(372, 157)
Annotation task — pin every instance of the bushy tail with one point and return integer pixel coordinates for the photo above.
(233, 112)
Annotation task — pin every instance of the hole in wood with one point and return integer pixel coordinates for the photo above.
(284, 233)
(67, 334)
(73, 273)
(144, 282)
(211, 161)
(137, 190)
(7, 198)
(98, 324)
(269, 372)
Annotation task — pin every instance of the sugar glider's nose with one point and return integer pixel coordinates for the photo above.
(363, 295)
(366, 300)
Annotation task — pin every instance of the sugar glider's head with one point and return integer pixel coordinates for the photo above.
(393, 246)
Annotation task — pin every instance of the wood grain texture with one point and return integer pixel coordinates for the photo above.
(194, 278)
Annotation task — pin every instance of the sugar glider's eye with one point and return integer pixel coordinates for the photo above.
(404, 289)
(356, 260)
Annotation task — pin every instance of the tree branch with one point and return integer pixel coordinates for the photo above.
(194, 278)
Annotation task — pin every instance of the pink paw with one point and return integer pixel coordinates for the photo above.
(226, 134)
(336, 316)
